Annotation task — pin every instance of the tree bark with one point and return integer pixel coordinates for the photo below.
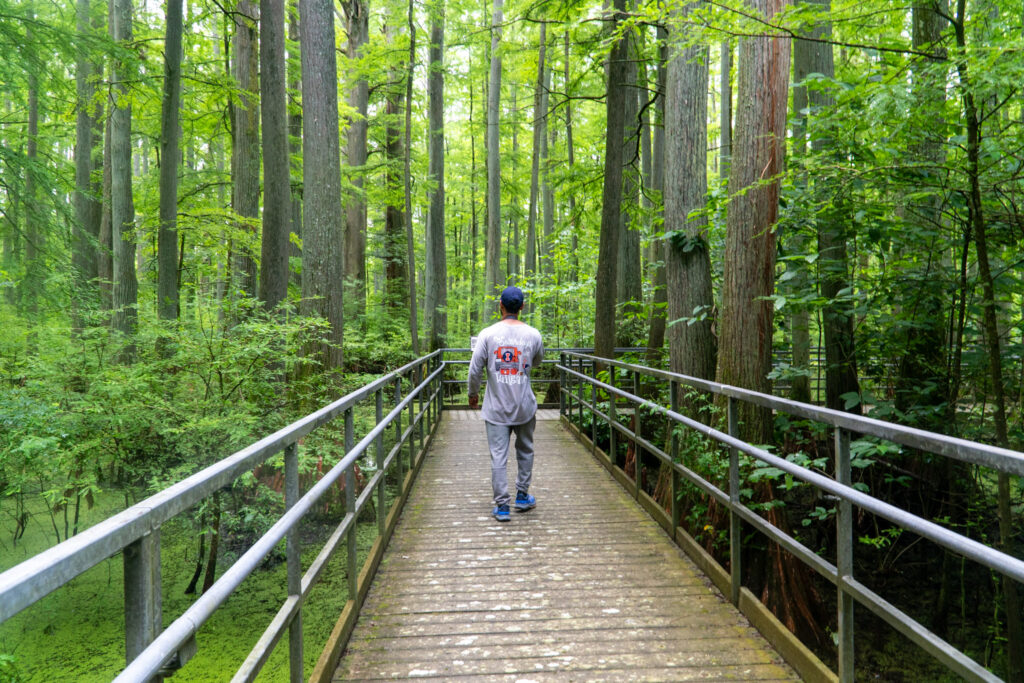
(410, 250)
(539, 116)
(611, 196)
(659, 310)
(86, 203)
(687, 252)
(170, 133)
(395, 272)
(629, 285)
(570, 155)
(321, 178)
(245, 152)
(32, 285)
(122, 207)
(358, 13)
(725, 111)
(276, 159)
(294, 146)
(436, 299)
(495, 279)
(749, 267)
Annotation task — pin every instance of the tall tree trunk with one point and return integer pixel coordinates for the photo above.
(922, 378)
(122, 207)
(660, 253)
(611, 196)
(687, 252)
(474, 308)
(546, 191)
(245, 152)
(105, 261)
(34, 235)
(167, 240)
(395, 272)
(759, 143)
(436, 300)
(725, 111)
(321, 178)
(495, 279)
(629, 284)
(410, 250)
(276, 159)
(570, 155)
(295, 145)
(538, 134)
(87, 206)
(358, 14)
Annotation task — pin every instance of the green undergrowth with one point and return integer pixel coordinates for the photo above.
(77, 632)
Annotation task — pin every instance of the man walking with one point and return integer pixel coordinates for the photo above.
(509, 350)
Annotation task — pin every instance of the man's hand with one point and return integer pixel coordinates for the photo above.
(474, 400)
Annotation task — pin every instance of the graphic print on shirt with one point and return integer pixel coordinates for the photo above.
(506, 365)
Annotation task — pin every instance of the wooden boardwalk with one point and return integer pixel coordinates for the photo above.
(584, 587)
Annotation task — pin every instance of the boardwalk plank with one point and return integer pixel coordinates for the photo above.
(585, 587)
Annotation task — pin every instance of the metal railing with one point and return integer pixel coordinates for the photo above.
(575, 380)
(152, 651)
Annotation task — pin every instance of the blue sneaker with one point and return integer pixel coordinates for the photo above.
(501, 514)
(524, 502)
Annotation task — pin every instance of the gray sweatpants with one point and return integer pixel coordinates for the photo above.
(498, 441)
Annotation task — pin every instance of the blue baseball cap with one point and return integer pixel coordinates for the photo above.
(512, 299)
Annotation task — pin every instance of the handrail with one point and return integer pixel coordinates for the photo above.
(841, 574)
(1002, 459)
(36, 577)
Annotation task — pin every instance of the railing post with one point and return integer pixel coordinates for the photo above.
(379, 453)
(143, 600)
(735, 536)
(561, 385)
(578, 387)
(593, 413)
(350, 508)
(419, 402)
(398, 437)
(637, 459)
(844, 558)
(293, 553)
(412, 431)
(612, 439)
(674, 454)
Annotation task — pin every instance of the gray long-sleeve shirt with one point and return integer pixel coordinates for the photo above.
(509, 350)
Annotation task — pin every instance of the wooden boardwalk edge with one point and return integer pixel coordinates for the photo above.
(796, 654)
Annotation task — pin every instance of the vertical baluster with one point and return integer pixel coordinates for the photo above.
(844, 557)
(143, 600)
(419, 402)
(350, 508)
(735, 537)
(637, 459)
(562, 386)
(674, 453)
(293, 553)
(579, 392)
(398, 437)
(613, 441)
(412, 424)
(379, 452)
(593, 412)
